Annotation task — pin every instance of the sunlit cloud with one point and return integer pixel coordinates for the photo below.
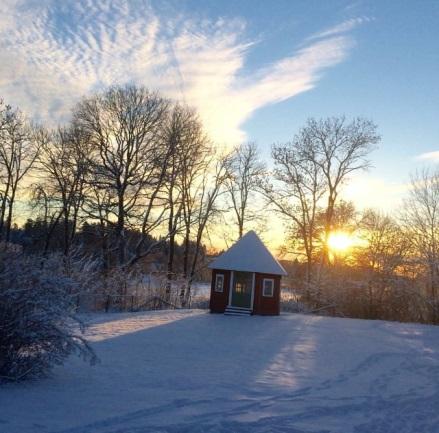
(428, 156)
(52, 53)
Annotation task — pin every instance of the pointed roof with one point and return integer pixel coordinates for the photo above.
(249, 254)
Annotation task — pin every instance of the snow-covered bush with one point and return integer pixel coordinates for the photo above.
(38, 327)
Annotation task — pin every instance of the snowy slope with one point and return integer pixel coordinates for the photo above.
(189, 371)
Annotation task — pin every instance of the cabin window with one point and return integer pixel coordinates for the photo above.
(268, 287)
(219, 283)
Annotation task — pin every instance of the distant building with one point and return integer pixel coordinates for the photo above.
(246, 279)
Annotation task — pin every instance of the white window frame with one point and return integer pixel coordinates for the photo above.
(216, 283)
(272, 287)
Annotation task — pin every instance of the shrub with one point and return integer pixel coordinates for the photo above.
(38, 327)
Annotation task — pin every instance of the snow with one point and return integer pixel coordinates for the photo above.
(249, 254)
(191, 371)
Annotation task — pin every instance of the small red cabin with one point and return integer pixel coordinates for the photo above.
(246, 279)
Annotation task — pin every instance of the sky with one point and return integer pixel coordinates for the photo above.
(255, 70)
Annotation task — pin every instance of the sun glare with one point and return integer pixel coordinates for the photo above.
(339, 242)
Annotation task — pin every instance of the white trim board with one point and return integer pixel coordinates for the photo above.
(229, 304)
(252, 299)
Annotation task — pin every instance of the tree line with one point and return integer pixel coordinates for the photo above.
(135, 167)
(133, 178)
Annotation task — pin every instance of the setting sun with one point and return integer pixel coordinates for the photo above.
(340, 242)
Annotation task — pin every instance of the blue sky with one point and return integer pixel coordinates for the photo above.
(256, 70)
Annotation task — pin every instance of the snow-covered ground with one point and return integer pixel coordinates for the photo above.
(190, 371)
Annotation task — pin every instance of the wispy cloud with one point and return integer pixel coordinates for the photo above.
(428, 156)
(341, 28)
(52, 53)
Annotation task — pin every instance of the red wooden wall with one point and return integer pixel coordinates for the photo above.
(218, 300)
(264, 305)
(261, 304)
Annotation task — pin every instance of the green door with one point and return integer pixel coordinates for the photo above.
(242, 289)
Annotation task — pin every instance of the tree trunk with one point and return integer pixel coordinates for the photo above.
(9, 218)
(3, 209)
(241, 230)
(186, 252)
(170, 267)
(120, 232)
(66, 232)
(185, 267)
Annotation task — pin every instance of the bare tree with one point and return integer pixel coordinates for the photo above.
(382, 256)
(62, 168)
(96, 207)
(47, 213)
(206, 188)
(196, 162)
(18, 151)
(310, 170)
(339, 148)
(294, 191)
(124, 126)
(244, 171)
(344, 220)
(420, 217)
(181, 134)
(344, 216)
(384, 245)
